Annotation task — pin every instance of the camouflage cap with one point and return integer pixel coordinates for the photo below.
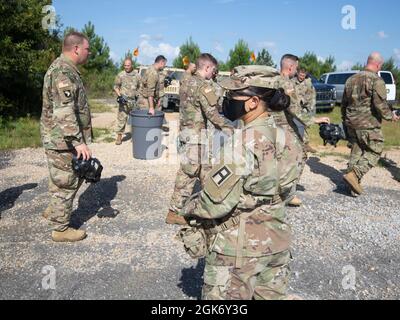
(251, 76)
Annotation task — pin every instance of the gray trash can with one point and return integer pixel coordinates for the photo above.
(147, 134)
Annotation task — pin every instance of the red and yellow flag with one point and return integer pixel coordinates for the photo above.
(253, 57)
(186, 61)
(136, 52)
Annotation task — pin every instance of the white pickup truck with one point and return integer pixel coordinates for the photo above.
(338, 79)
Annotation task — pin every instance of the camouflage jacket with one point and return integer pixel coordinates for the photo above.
(198, 104)
(255, 170)
(127, 83)
(66, 120)
(150, 83)
(308, 99)
(364, 102)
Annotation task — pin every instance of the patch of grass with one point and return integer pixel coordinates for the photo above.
(19, 133)
(96, 107)
(103, 135)
(391, 130)
(335, 154)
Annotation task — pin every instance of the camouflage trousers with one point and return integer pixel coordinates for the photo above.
(143, 103)
(192, 169)
(123, 114)
(367, 148)
(262, 278)
(63, 186)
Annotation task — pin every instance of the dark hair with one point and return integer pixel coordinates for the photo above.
(74, 39)
(290, 57)
(275, 99)
(160, 58)
(204, 58)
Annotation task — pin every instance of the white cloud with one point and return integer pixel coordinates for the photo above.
(148, 52)
(397, 55)
(345, 65)
(218, 47)
(267, 44)
(113, 56)
(147, 37)
(320, 59)
(382, 35)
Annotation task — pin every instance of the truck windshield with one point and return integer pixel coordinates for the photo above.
(339, 78)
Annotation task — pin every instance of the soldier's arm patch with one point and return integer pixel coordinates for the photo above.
(221, 176)
(210, 95)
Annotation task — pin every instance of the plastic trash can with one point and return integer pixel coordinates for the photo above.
(147, 134)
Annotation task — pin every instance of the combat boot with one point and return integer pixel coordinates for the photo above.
(68, 235)
(353, 182)
(173, 218)
(295, 202)
(118, 142)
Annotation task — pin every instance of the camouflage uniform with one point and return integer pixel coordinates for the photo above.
(198, 105)
(308, 100)
(128, 84)
(242, 205)
(65, 124)
(364, 106)
(149, 87)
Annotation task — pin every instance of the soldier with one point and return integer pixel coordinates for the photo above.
(308, 101)
(126, 87)
(295, 113)
(198, 105)
(149, 92)
(241, 210)
(364, 106)
(190, 71)
(66, 130)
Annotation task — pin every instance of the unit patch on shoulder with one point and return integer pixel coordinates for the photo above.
(222, 175)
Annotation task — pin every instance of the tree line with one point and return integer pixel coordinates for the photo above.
(27, 50)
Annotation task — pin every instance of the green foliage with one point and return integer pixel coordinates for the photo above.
(188, 49)
(358, 66)
(19, 133)
(317, 68)
(240, 55)
(26, 51)
(265, 58)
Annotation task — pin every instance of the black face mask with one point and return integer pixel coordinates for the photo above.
(234, 109)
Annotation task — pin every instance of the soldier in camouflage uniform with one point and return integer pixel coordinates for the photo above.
(66, 129)
(126, 86)
(295, 115)
(364, 106)
(149, 92)
(198, 105)
(241, 210)
(308, 101)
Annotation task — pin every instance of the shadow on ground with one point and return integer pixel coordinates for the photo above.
(334, 175)
(10, 196)
(391, 166)
(96, 200)
(191, 281)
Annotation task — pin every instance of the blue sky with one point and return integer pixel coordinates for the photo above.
(281, 26)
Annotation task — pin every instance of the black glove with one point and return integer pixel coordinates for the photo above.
(332, 133)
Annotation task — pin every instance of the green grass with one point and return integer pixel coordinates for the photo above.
(391, 130)
(96, 107)
(19, 133)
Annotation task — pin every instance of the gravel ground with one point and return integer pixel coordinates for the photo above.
(131, 254)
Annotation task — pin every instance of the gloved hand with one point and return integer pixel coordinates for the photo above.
(122, 100)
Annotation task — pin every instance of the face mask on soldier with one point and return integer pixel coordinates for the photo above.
(234, 109)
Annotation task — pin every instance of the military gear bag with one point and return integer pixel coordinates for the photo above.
(332, 133)
(194, 241)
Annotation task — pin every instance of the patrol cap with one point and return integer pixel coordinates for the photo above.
(244, 77)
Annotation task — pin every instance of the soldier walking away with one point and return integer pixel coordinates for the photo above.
(239, 218)
(149, 92)
(198, 105)
(364, 106)
(66, 131)
(126, 87)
